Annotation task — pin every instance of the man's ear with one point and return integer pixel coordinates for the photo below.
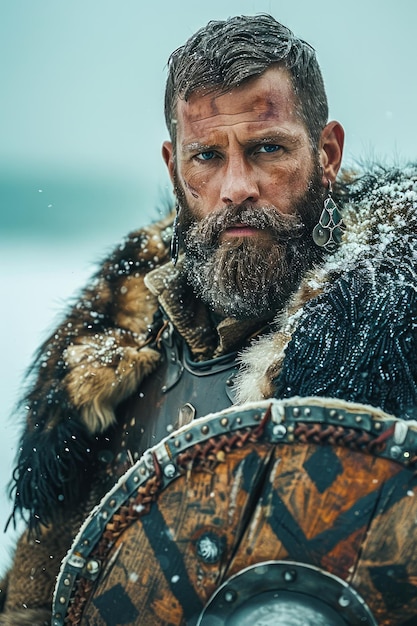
(168, 156)
(331, 150)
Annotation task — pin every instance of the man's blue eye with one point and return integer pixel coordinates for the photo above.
(269, 147)
(206, 156)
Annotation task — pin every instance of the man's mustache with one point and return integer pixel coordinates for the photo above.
(209, 229)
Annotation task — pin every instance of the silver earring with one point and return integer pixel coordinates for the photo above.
(175, 239)
(328, 232)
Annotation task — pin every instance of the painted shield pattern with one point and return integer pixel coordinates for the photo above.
(300, 511)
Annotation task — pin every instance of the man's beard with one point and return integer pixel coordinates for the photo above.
(251, 277)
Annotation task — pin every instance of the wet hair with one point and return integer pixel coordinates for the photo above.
(225, 54)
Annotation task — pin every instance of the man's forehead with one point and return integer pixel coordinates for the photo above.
(269, 97)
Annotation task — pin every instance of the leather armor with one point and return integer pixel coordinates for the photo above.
(177, 392)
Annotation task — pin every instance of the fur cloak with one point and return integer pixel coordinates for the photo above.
(350, 332)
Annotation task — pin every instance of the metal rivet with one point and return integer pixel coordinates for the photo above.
(93, 566)
(230, 596)
(333, 413)
(340, 417)
(210, 547)
(62, 600)
(289, 575)
(205, 429)
(177, 443)
(257, 417)
(67, 582)
(377, 425)
(112, 502)
(395, 452)
(296, 412)
(406, 455)
(170, 470)
(224, 422)
(344, 601)
(307, 411)
(104, 514)
(86, 542)
(239, 420)
(189, 436)
(358, 419)
(279, 431)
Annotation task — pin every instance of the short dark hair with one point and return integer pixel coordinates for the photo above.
(224, 54)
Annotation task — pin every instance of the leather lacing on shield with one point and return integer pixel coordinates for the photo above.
(342, 436)
(204, 456)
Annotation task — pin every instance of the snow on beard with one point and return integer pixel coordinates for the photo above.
(251, 277)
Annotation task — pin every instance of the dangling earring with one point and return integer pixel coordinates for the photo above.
(328, 232)
(175, 239)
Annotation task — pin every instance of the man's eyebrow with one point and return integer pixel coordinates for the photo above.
(274, 138)
(196, 146)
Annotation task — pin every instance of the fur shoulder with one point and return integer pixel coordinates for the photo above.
(94, 359)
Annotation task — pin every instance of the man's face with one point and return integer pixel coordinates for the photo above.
(244, 171)
(248, 145)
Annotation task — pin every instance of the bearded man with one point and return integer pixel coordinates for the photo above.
(269, 295)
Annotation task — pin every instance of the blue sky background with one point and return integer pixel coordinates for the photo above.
(81, 126)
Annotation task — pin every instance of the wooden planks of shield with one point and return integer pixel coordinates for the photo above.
(171, 560)
(237, 500)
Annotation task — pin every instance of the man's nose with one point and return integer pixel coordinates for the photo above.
(239, 183)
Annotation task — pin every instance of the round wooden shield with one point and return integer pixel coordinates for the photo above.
(304, 506)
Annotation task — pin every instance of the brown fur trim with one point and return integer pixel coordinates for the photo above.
(33, 574)
(97, 396)
(26, 617)
(94, 360)
(28, 586)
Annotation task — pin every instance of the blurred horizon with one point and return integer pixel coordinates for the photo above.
(75, 204)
